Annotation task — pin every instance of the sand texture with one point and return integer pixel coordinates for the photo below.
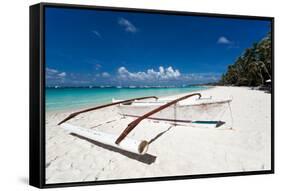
(173, 150)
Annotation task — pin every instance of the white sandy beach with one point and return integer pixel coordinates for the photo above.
(173, 150)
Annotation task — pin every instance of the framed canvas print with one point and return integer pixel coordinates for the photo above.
(127, 95)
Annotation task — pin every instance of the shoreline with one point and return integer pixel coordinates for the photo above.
(246, 147)
(161, 97)
(94, 105)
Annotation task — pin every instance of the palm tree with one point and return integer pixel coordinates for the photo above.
(252, 67)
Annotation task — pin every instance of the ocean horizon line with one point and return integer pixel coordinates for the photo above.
(71, 98)
(108, 86)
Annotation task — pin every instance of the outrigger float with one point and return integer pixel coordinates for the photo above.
(181, 111)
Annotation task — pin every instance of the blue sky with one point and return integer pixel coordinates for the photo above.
(90, 47)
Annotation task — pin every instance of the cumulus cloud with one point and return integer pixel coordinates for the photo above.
(51, 71)
(105, 74)
(151, 74)
(54, 74)
(63, 74)
(161, 76)
(223, 40)
(128, 26)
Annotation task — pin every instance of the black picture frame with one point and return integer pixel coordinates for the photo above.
(37, 96)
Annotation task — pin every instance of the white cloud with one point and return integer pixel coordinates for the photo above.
(51, 71)
(97, 33)
(151, 74)
(161, 76)
(63, 74)
(129, 27)
(223, 40)
(105, 75)
(54, 74)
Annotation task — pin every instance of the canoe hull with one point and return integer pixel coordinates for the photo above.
(130, 145)
(179, 113)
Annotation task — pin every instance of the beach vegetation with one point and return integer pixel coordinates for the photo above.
(253, 67)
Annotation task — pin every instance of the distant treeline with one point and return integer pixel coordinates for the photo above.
(253, 67)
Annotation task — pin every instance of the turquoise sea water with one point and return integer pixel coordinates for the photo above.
(72, 98)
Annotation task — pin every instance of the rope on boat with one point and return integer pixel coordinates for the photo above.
(231, 116)
(134, 123)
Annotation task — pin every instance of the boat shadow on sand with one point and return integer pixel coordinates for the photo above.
(146, 158)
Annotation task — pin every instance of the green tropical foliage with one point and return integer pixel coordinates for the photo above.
(253, 67)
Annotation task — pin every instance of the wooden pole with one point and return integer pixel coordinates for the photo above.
(103, 106)
(134, 123)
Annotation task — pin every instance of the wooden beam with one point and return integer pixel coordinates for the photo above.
(72, 115)
(134, 123)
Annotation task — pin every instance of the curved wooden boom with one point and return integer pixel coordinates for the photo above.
(103, 106)
(134, 123)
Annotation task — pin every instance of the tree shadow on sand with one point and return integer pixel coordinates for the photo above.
(146, 158)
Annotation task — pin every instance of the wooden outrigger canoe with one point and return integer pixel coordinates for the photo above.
(122, 141)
